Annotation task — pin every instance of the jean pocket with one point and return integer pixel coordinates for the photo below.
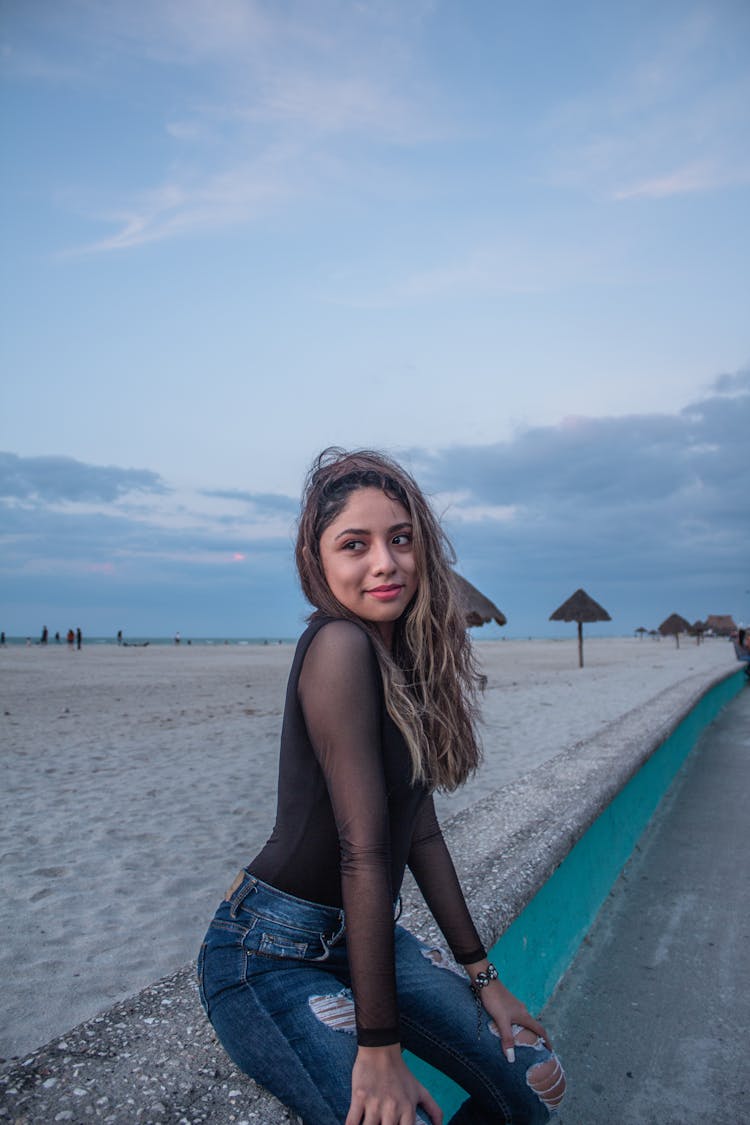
(281, 946)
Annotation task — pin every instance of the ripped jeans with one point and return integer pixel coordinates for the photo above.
(274, 982)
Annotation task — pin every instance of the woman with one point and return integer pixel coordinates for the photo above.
(310, 985)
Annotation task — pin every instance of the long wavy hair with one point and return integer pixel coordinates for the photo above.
(431, 681)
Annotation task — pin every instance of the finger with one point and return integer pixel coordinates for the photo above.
(536, 1027)
(354, 1116)
(378, 1113)
(385, 1112)
(430, 1106)
(507, 1041)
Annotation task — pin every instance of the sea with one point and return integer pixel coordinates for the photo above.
(477, 636)
(142, 641)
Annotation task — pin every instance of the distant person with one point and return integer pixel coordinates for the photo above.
(79, 639)
(119, 636)
(310, 985)
(70, 638)
(57, 637)
(45, 635)
(177, 638)
(2, 640)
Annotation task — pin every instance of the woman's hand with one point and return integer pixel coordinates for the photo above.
(385, 1092)
(506, 1010)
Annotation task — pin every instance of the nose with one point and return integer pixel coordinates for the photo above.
(382, 560)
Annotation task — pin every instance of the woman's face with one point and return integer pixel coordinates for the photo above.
(368, 558)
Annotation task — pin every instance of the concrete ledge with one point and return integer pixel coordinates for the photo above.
(154, 1058)
(507, 846)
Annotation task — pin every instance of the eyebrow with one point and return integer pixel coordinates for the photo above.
(366, 531)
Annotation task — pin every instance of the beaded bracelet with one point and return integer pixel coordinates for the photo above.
(481, 980)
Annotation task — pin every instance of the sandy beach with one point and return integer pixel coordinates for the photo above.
(136, 781)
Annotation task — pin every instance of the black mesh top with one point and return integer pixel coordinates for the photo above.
(348, 820)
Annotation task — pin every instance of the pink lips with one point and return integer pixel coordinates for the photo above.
(385, 593)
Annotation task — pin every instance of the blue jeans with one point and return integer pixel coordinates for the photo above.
(274, 982)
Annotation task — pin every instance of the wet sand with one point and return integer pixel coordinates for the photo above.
(136, 781)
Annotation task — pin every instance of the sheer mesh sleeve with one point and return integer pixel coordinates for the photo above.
(339, 691)
(432, 867)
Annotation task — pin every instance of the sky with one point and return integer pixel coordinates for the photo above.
(506, 242)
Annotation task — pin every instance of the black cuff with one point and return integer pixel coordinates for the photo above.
(378, 1037)
(469, 958)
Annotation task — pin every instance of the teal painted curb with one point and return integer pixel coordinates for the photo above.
(540, 944)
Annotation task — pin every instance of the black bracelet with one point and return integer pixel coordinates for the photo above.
(481, 980)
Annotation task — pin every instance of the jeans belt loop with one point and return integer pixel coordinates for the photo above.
(340, 930)
(329, 942)
(241, 895)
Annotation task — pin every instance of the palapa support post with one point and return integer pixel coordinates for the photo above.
(673, 626)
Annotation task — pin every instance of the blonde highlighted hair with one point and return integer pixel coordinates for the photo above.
(430, 679)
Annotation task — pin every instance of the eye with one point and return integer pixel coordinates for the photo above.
(352, 545)
(403, 539)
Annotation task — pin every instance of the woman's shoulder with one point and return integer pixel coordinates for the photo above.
(336, 640)
(337, 631)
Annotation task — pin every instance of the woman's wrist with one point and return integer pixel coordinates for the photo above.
(382, 1059)
(481, 975)
(380, 1052)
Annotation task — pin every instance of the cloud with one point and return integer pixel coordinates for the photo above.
(683, 181)
(518, 264)
(732, 383)
(201, 203)
(271, 96)
(458, 507)
(56, 479)
(640, 500)
(615, 460)
(648, 512)
(265, 503)
(330, 104)
(668, 120)
(60, 512)
(31, 66)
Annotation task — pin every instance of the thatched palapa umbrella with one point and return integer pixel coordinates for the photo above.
(722, 624)
(673, 626)
(697, 629)
(479, 610)
(640, 631)
(580, 607)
